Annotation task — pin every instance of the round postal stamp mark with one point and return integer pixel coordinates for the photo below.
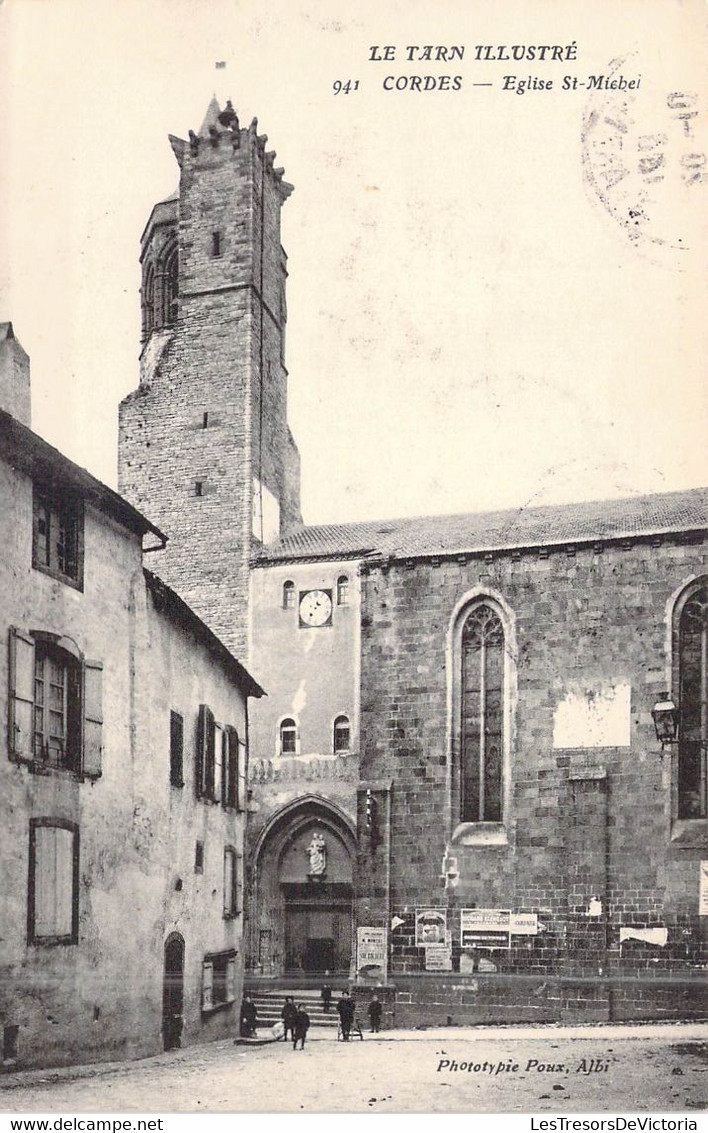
(645, 160)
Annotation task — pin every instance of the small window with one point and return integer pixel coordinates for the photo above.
(288, 737)
(176, 749)
(288, 595)
(205, 419)
(220, 763)
(341, 734)
(218, 980)
(55, 705)
(57, 545)
(216, 243)
(170, 299)
(199, 857)
(342, 590)
(53, 892)
(199, 487)
(232, 883)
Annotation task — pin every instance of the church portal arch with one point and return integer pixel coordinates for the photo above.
(302, 890)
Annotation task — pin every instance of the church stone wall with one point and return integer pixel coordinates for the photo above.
(588, 843)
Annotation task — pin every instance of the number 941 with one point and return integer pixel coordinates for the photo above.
(340, 87)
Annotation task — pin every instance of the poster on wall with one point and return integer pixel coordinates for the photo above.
(524, 924)
(430, 926)
(371, 952)
(438, 958)
(485, 928)
(703, 891)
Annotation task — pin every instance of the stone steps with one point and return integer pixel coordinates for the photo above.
(269, 1005)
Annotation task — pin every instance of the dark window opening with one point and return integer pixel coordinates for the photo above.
(199, 857)
(170, 304)
(288, 595)
(57, 545)
(231, 883)
(288, 737)
(216, 243)
(205, 421)
(482, 717)
(199, 487)
(341, 734)
(176, 749)
(10, 1036)
(693, 702)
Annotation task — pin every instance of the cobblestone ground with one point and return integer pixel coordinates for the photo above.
(562, 1070)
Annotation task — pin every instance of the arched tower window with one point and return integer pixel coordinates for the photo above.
(693, 704)
(148, 300)
(482, 695)
(341, 735)
(288, 737)
(170, 287)
(342, 590)
(288, 595)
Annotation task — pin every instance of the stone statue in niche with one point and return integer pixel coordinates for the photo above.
(317, 851)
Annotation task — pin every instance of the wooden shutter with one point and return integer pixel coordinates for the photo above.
(207, 985)
(21, 698)
(229, 882)
(176, 749)
(238, 882)
(231, 767)
(92, 747)
(242, 789)
(54, 880)
(231, 979)
(204, 770)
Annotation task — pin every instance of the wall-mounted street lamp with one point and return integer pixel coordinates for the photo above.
(665, 715)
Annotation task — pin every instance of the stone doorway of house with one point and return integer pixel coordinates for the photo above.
(173, 992)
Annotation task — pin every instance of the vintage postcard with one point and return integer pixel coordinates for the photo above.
(353, 430)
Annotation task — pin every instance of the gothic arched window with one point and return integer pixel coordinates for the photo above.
(288, 595)
(170, 287)
(148, 301)
(693, 704)
(482, 716)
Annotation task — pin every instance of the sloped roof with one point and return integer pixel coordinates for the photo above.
(27, 451)
(478, 532)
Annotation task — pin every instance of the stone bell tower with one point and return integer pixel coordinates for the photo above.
(204, 444)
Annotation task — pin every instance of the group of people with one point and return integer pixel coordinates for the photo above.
(296, 1021)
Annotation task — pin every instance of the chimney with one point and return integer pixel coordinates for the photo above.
(14, 376)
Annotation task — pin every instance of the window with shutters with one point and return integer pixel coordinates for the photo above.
(55, 703)
(220, 762)
(58, 533)
(691, 650)
(232, 882)
(53, 882)
(176, 749)
(218, 980)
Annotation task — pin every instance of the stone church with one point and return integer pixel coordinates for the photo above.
(478, 780)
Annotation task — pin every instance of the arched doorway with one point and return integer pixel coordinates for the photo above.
(173, 992)
(303, 890)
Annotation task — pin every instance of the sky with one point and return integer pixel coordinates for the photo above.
(495, 298)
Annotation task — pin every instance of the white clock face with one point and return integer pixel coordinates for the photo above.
(315, 608)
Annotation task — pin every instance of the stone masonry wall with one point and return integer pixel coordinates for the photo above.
(589, 843)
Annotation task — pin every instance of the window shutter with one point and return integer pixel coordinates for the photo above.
(93, 719)
(242, 789)
(231, 767)
(176, 749)
(207, 985)
(231, 979)
(229, 882)
(238, 891)
(204, 770)
(21, 697)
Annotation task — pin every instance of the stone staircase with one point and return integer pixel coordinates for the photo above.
(269, 1005)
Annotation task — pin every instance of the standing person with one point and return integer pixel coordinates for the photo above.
(301, 1026)
(374, 1011)
(288, 1016)
(249, 1017)
(345, 1010)
(326, 995)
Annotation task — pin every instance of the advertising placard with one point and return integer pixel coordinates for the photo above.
(371, 952)
(430, 926)
(485, 928)
(438, 958)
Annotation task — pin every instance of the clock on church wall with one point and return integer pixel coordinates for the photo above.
(315, 608)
